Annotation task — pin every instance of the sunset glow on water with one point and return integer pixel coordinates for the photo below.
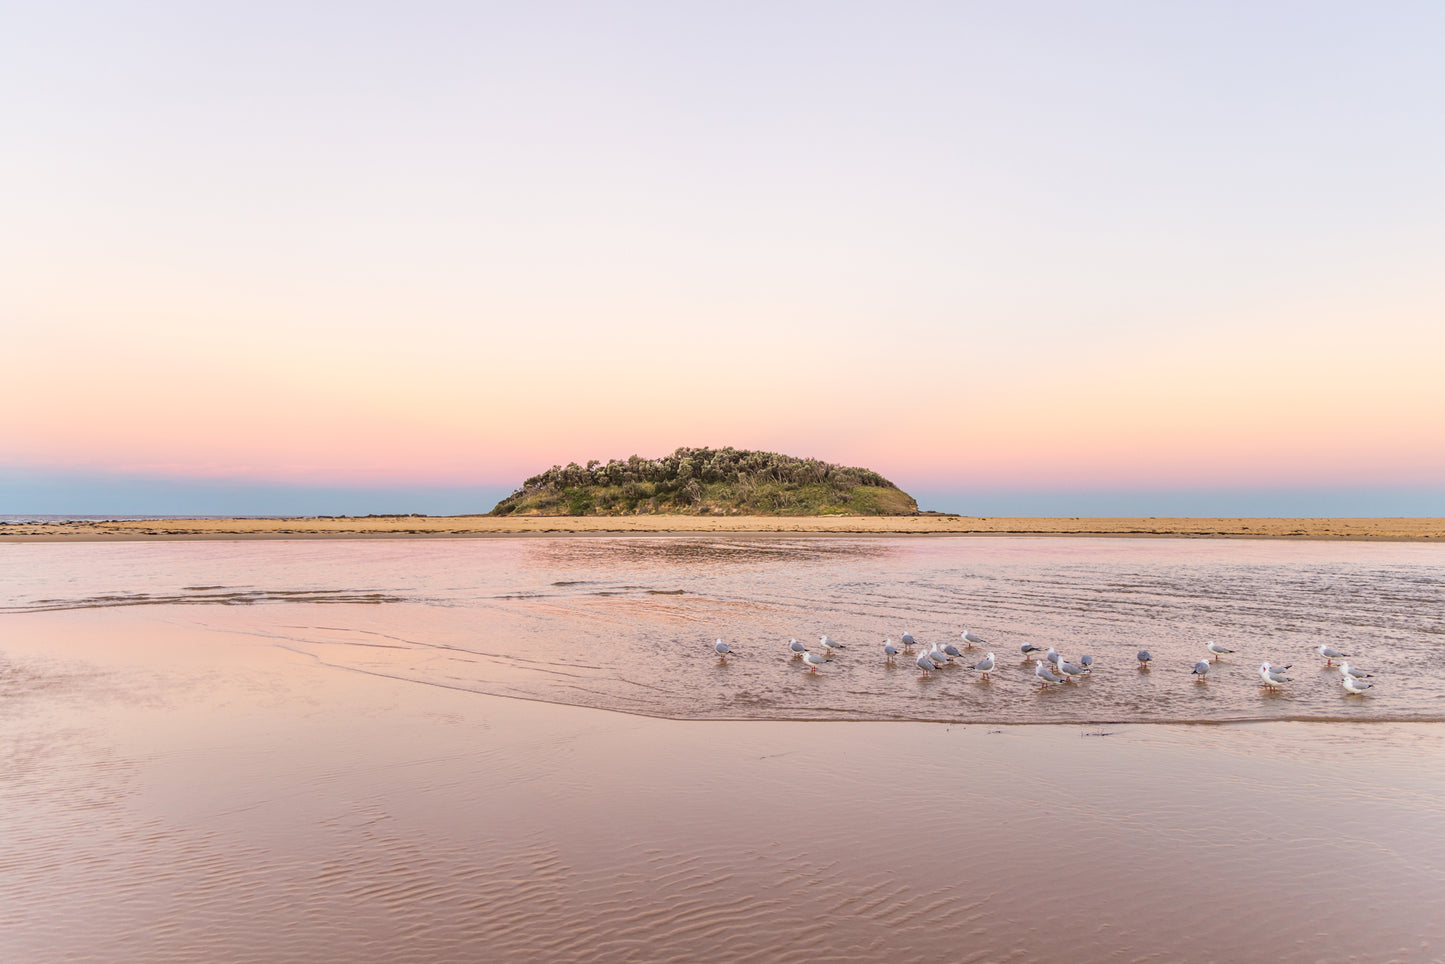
(628, 623)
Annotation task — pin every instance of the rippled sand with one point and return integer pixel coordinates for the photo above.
(168, 794)
(301, 750)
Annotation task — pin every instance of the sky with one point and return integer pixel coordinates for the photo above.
(1027, 258)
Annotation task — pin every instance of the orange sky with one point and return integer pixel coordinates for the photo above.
(965, 248)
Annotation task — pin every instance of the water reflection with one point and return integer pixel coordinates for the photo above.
(664, 552)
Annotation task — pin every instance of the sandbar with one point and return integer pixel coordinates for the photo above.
(474, 526)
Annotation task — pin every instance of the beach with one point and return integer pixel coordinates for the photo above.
(521, 748)
(169, 801)
(411, 526)
(505, 484)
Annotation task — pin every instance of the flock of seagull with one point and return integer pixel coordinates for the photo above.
(1051, 666)
(1273, 678)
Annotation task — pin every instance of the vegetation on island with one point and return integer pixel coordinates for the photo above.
(706, 481)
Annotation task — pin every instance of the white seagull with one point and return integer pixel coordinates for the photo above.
(1028, 649)
(907, 642)
(938, 656)
(814, 661)
(1273, 676)
(1353, 673)
(1070, 669)
(1201, 669)
(1330, 654)
(951, 650)
(985, 665)
(1041, 670)
(798, 648)
(969, 639)
(1355, 686)
(1144, 659)
(1087, 662)
(829, 645)
(1217, 650)
(1052, 656)
(889, 650)
(721, 648)
(925, 665)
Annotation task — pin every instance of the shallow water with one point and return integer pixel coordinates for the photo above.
(628, 623)
(163, 801)
(273, 751)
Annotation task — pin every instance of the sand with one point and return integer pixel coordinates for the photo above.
(174, 795)
(1403, 529)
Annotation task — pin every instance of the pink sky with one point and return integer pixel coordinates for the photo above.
(967, 249)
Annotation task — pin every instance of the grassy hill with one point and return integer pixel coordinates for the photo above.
(702, 481)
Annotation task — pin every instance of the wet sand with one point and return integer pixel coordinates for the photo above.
(169, 796)
(479, 526)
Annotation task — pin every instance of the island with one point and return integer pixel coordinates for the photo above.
(706, 481)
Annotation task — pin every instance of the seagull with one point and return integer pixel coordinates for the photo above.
(1330, 654)
(1273, 676)
(1087, 662)
(1070, 669)
(969, 639)
(938, 656)
(1355, 686)
(925, 664)
(814, 661)
(1144, 659)
(1052, 656)
(1353, 673)
(951, 650)
(829, 645)
(1028, 649)
(985, 665)
(798, 648)
(1041, 670)
(907, 642)
(721, 648)
(1201, 668)
(889, 650)
(1216, 649)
